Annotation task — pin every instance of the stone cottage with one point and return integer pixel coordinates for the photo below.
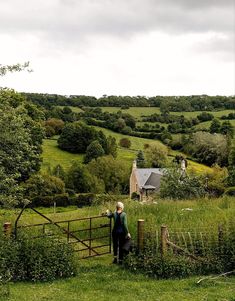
(145, 181)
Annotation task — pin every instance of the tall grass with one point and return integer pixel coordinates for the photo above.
(198, 214)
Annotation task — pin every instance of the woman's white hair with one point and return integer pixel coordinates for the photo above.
(120, 205)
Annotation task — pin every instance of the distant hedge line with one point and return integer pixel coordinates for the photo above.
(80, 200)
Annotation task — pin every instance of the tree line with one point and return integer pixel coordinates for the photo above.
(166, 103)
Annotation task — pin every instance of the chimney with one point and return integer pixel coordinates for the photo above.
(134, 165)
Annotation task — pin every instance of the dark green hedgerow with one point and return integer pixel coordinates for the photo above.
(40, 259)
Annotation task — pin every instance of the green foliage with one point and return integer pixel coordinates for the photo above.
(156, 155)
(53, 126)
(140, 160)
(93, 151)
(4, 69)
(43, 185)
(215, 181)
(135, 196)
(230, 191)
(208, 148)
(113, 173)
(227, 129)
(76, 136)
(214, 256)
(125, 142)
(41, 259)
(171, 266)
(59, 172)
(81, 179)
(20, 143)
(111, 148)
(215, 126)
(176, 184)
(205, 116)
(85, 199)
(60, 200)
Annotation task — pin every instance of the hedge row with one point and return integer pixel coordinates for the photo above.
(70, 199)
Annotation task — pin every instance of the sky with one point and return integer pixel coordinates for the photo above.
(120, 47)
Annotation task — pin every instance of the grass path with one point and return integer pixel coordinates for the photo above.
(99, 280)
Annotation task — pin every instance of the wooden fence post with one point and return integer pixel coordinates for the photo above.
(140, 231)
(7, 229)
(163, 239)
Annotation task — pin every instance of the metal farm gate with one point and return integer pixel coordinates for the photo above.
(89, 236)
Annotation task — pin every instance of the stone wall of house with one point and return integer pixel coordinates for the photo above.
(133, 183)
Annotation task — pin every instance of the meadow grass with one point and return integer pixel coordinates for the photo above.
(217, 114)
(53, 156)
(136, 112)
(206, 124)
(74, 109)
(99, 280)
(137, 143)
(203, 213)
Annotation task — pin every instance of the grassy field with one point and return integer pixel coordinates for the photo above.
(217, 114)
(137, 112)
(99, 280)
(136, 142)
(206, 124)
(52, 156)
(146, 111)
(204, 213)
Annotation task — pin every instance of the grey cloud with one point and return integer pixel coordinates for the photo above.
(75, 21)
(221, 46)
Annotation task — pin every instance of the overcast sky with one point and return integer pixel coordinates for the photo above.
(120, 47)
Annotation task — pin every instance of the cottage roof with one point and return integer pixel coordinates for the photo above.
(149, 177)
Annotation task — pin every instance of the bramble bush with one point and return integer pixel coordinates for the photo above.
(220, 257)
(171, 266)
(40, 259)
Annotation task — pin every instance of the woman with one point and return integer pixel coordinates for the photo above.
(120, 231)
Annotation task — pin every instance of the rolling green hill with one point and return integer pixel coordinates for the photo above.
(52, 155)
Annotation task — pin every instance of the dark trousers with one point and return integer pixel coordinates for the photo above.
(118, 242)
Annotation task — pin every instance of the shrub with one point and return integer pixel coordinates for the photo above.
(43, 185)
(61, 200)
(230, 191)
(178, 185)
(93, 151)
(156, 155)
(135, 196)
(85, 199)
(125, 142)
(171, 266)
(40, 259)
(208, 148)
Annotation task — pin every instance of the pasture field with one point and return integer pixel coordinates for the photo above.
(217, 114)
(206, 124)
(137, 143)
(203, 213)
(99, 280)
(137, 112)
(52, 155)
